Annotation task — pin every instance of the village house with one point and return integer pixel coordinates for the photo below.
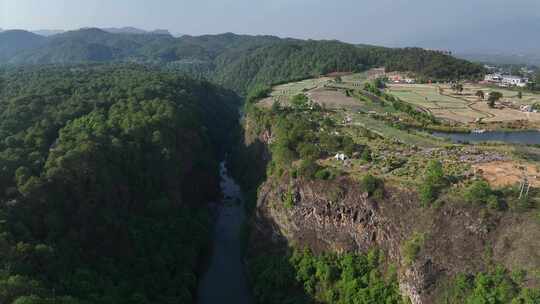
(494, 78)
(526, 108)
(340, 156)
(510, 80)
(506, 80)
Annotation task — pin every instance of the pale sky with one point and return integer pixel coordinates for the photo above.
(457, 24)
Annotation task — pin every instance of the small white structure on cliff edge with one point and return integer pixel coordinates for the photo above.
(340, 156)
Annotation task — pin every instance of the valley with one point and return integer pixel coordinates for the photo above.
(145, 168)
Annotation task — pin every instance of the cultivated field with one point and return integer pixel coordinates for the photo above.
(465, 107)
(331, 95)
(334, 99)
(283, 93)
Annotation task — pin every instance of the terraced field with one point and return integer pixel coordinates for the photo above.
(465, 107)
(283, 93)
(332, 95)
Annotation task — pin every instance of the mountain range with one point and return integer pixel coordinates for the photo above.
(113, 30)
(252, 59)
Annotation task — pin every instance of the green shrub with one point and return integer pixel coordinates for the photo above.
(496, 286)
(480, 193)
(493, 202)
(308, 151)
(428, 193)
(288, 199)
(412, 247)
(373, 186)
(348, 146)
(299, 102)
(308, 168)
(366, 155)
(324, 174)
(433, 182)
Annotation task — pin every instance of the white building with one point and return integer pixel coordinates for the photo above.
(493, 78)
(517, 81)
(340, 156)
(526, 108)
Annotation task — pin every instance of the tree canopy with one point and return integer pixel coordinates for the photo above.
(105, 172)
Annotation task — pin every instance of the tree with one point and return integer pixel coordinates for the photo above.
(299, 102)
(379, 83)
(434, 180)
(493, 98)
(481, 194)
(57, 136)
(480, 94)
(460, 88)
(308, 151)
(366, 155)
(276, 107)
(373, 186)
(457, 87)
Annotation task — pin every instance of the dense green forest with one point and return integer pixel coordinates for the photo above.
(105, 172)
(303, 277)
(255, 61)
(283, 62)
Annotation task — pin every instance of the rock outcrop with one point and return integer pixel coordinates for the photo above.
(338, 216)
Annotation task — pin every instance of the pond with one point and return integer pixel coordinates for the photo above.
(225, 279)
(530, 137)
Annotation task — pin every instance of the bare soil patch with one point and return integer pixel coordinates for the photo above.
(333, 99)
(508, 173)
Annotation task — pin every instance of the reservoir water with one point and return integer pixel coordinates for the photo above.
(512, 137)
(225, 279)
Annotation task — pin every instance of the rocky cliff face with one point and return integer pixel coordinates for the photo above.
(338, 216)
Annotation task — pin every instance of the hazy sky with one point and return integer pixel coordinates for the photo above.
(461, 24)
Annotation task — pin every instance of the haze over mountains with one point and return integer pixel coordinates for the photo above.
(252, 59)
(514, 43)
(114, 30)
(498, 40)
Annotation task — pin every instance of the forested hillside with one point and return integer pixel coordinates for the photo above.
(300, 59)
(105, 175)
(13, 42)
(239, 62)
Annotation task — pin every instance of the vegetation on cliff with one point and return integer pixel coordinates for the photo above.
(304, 277)
(496, 286)
(431, 181)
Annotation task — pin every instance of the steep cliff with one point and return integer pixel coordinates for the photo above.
(338, 216)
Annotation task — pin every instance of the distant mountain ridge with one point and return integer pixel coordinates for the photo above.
(13, 42)
(253, 60)
(134, 30)
(47, 33)
(528, 58)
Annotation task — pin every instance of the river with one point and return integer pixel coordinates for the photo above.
(512, 137)
(225, 279)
